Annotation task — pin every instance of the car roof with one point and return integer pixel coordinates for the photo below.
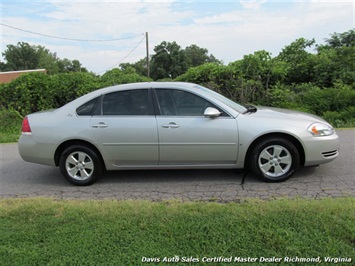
(132, 86)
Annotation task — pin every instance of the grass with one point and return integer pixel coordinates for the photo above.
(42, 231)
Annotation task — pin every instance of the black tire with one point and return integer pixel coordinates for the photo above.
(274, 159)
(80, 165)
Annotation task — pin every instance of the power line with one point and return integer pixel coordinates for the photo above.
(125, 56)
(69, 39)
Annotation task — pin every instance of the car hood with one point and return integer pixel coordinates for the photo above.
(279, 113)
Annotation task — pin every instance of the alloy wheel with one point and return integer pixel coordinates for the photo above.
(79, 165)
(274, 161)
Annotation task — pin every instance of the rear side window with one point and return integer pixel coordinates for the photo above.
(87, 109)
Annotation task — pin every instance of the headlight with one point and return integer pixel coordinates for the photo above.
(320, 130)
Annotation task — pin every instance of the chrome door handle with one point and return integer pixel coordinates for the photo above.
(171, 125)
(100, 125)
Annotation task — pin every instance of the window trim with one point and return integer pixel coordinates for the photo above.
(158, 108)
(93, 109)
(151, 110)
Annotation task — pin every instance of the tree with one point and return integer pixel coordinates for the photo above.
(300, 61)
(336, 60)
(47, 60)
(24, 56)
(140, 66)
(3, 67)
(198, 56)
(338, 40)
(169, 61)
(21, 56)
(65, 65)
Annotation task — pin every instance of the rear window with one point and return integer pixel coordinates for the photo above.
(87, 109)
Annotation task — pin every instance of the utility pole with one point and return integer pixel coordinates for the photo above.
(147, 47)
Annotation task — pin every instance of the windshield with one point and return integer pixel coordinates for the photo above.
(236, 106)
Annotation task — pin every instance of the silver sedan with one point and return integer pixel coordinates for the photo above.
(172, 125)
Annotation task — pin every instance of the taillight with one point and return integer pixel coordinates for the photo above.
(26, 129)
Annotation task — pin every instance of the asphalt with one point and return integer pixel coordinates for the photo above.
(20, 179)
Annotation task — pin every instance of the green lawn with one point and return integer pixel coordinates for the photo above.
(42, 231)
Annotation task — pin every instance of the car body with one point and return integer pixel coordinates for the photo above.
(173, 125)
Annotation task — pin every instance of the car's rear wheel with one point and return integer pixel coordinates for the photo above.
(80, 165)
(274, 159)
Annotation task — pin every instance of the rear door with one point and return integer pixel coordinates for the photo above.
(187, 137)
(126, 128)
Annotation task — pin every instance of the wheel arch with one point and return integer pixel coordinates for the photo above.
(289, 137)
(69, 143)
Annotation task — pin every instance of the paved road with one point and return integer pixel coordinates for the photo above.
(336, 179)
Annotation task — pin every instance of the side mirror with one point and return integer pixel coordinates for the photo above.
(212, 112)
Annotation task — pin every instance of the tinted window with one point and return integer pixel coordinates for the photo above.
(132, 102)
(181, 103)
(87, 109)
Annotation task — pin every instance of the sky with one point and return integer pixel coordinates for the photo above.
(103, 34)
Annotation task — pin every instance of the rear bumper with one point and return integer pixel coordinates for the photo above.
(34, 152)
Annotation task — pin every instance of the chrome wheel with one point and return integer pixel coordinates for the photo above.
(79, 165)
(274, 161)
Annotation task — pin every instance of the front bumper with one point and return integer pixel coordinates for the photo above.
(319, 150)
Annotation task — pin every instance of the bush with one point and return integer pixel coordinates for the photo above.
(69, 86)
(34, 92)
(10, 125)
(28, 93)
(344, 118)
(319, 101)
(117, 76)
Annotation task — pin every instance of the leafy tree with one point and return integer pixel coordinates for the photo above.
(24, 56)
(169, 61)
(21, 56)
(140, 66)
(3, 66)
(196, 56)
(65, 66)
(300, 62)
(48, 60)
(336, 60)
(338, 40)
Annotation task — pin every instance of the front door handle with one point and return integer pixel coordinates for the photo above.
(171, 125)
(100, 125)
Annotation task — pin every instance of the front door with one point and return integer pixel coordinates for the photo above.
(187, 137)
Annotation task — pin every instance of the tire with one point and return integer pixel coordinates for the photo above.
(274, 159)
(80, 165)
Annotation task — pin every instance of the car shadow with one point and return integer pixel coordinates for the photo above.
(193, 175)
(160, 176)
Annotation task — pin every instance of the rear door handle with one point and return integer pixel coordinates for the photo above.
(100, 125)
(171, 125)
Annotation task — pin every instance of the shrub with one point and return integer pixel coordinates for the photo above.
(28, 93)
(10, 125)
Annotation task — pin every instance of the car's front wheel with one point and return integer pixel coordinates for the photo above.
(274, 159)
(80, 165)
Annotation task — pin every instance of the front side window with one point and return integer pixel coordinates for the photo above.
(131, 102)
(181, 103)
